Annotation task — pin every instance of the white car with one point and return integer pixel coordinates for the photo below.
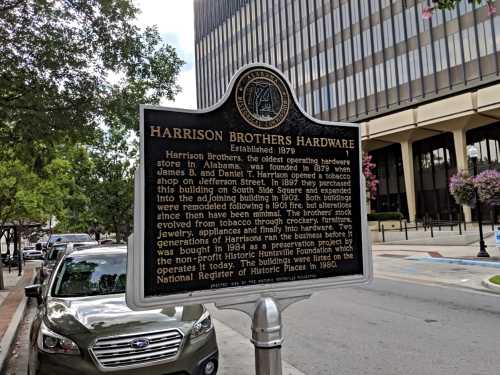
(77, 239)
(30, 253)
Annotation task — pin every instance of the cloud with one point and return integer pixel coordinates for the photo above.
(175, 22)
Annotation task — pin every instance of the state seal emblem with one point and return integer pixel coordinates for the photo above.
(262, 98)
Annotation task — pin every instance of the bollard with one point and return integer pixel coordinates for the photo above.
(459, 228)
(432, 231)
(267, 337)
(416, 225)
(406, 231)
(383, 233)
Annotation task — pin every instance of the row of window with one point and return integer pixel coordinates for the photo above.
(434, 162)
(454, 50)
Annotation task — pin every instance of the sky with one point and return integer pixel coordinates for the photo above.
(175, 21)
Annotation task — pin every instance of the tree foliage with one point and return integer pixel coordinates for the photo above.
(102, 194)
(57, 57)
(452, 4)
(72, 74)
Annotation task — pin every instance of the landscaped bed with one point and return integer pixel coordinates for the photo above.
(495, 279)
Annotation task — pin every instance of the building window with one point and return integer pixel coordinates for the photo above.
(434, 163)
(391, 194)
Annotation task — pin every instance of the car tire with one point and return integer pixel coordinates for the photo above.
(29, 372)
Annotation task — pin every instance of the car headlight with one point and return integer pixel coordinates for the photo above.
(51, 342)
(202, 325)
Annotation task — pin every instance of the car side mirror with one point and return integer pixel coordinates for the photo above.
(34, 291)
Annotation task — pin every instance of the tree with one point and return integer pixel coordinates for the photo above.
(101, 193)
(76, 215)
(113, 183)
(56, 60)
(27, 198)
(452, 4)
(69, 69)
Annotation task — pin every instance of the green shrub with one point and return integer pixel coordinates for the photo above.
(384, 216)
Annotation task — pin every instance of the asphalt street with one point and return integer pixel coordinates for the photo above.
(390, 327)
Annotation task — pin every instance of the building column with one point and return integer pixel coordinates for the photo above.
(462, 161)
(407, 156)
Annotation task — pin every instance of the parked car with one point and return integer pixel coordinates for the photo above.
(76, 238)
(85, 327)
(51, 258)
(30, 253)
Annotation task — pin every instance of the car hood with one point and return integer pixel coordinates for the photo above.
(110, 316)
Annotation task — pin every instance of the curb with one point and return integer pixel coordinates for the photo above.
(10, 334)
(442, 284)
(465, 262)
(489, 285)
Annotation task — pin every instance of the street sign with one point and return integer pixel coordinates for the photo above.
(250, 197)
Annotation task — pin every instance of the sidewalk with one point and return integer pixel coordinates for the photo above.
(456, 266)
(12, 306)
(237, 352)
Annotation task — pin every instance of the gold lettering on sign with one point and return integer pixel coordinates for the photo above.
(185, 133)
(263, 208)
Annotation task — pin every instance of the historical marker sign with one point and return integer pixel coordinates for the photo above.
(251, 196)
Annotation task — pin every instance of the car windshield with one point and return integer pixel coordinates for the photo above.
(70, 238)
(91, 275)
(54, 252)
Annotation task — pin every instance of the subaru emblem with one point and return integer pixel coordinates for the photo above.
(139, 343)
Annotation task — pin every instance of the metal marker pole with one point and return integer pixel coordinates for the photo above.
(267, 337)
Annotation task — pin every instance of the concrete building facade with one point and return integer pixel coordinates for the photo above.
(422, 89)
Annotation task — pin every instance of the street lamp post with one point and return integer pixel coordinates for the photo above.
(482, 246)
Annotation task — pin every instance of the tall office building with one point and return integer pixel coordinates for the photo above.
(422, 89)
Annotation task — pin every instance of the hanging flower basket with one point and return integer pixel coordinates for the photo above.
(487, 184)
(462, 188)
(495, 201)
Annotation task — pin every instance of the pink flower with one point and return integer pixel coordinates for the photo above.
(427, 13)
(371, 179)
(492, 9)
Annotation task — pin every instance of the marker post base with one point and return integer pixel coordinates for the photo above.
(267, 337)
(267, 329)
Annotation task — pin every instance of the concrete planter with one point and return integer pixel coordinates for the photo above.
(489, 285)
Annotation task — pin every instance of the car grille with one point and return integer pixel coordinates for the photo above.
(113, 352)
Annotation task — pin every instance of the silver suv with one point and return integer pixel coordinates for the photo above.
(84, 326)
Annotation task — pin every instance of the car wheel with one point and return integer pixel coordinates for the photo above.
(29, 372)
